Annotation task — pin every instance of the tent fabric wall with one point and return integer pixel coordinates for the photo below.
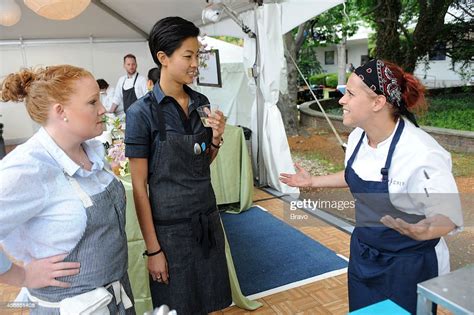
(104, 60)
(276, 151)
(274, 18)
(235, 99)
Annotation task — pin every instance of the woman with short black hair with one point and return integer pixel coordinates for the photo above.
(170, 151)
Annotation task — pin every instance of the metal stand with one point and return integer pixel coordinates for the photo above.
(453, 291)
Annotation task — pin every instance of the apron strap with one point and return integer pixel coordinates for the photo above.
(119, 294)
(86, 200)
(354, 153)
(161, 117)
(136, 77)
(40, 302)
(393, 144)
(133, 86)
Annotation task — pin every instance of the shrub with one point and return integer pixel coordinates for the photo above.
(331, 80)
(326, 79)
(318, 79)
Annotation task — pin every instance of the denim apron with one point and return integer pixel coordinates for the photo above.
(102, 252)
(187, 222)
(384, 264)
(129, 96)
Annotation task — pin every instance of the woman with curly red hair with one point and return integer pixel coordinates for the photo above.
(58, 200)
(405, 194)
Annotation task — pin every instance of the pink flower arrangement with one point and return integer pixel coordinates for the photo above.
(118, 161)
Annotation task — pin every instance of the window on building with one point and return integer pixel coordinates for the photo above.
(438, 52)
(329, 57)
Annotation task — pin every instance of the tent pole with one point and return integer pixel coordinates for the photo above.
(262, 173)
(119, 17)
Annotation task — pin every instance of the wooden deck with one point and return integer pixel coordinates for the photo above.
(328, 296)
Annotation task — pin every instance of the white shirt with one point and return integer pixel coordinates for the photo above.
(140, 89)
(107, 97)
(420, 178)
(41, 214)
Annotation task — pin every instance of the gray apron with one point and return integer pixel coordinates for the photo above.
(187, 222)
(102, 251)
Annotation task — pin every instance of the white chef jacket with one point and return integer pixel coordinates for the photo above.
(420, 177)
(107, 97)
(140, 89)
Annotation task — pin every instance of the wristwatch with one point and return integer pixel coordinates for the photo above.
(218, 146)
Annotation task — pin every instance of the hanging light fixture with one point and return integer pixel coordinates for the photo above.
(212, 13)
(10, 12)
(58, 9)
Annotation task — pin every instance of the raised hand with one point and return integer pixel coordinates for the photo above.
(426, 229)
(217, 122)
(301, 179)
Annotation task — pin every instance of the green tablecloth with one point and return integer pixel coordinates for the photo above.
(232, 180)
(137, 271)
(231, 171)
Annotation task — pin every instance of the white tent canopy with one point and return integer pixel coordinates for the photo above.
(108, 29)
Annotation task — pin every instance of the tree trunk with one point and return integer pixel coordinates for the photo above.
(341, 62)
(287, 102)
(387, 36)
(429, 26)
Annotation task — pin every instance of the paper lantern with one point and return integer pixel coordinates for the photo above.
(57, 9)
(10, 12)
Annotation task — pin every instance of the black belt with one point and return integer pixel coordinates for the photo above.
(203, 232)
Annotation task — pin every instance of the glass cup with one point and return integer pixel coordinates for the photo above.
(204, 112)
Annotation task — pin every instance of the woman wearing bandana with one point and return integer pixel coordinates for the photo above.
(405, 194)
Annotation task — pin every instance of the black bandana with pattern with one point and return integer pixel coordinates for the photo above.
(380, 79)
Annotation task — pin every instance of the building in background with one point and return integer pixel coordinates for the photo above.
(437, 72)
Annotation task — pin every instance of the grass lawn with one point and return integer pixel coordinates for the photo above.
(455, 111)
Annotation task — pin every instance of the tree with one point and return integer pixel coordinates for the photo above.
(406, 30)
(457, 37)
(328, 28)
(287, 102)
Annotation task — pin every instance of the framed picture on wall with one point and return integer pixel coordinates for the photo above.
(209, 69)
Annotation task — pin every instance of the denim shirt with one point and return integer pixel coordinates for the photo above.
(142, 120)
